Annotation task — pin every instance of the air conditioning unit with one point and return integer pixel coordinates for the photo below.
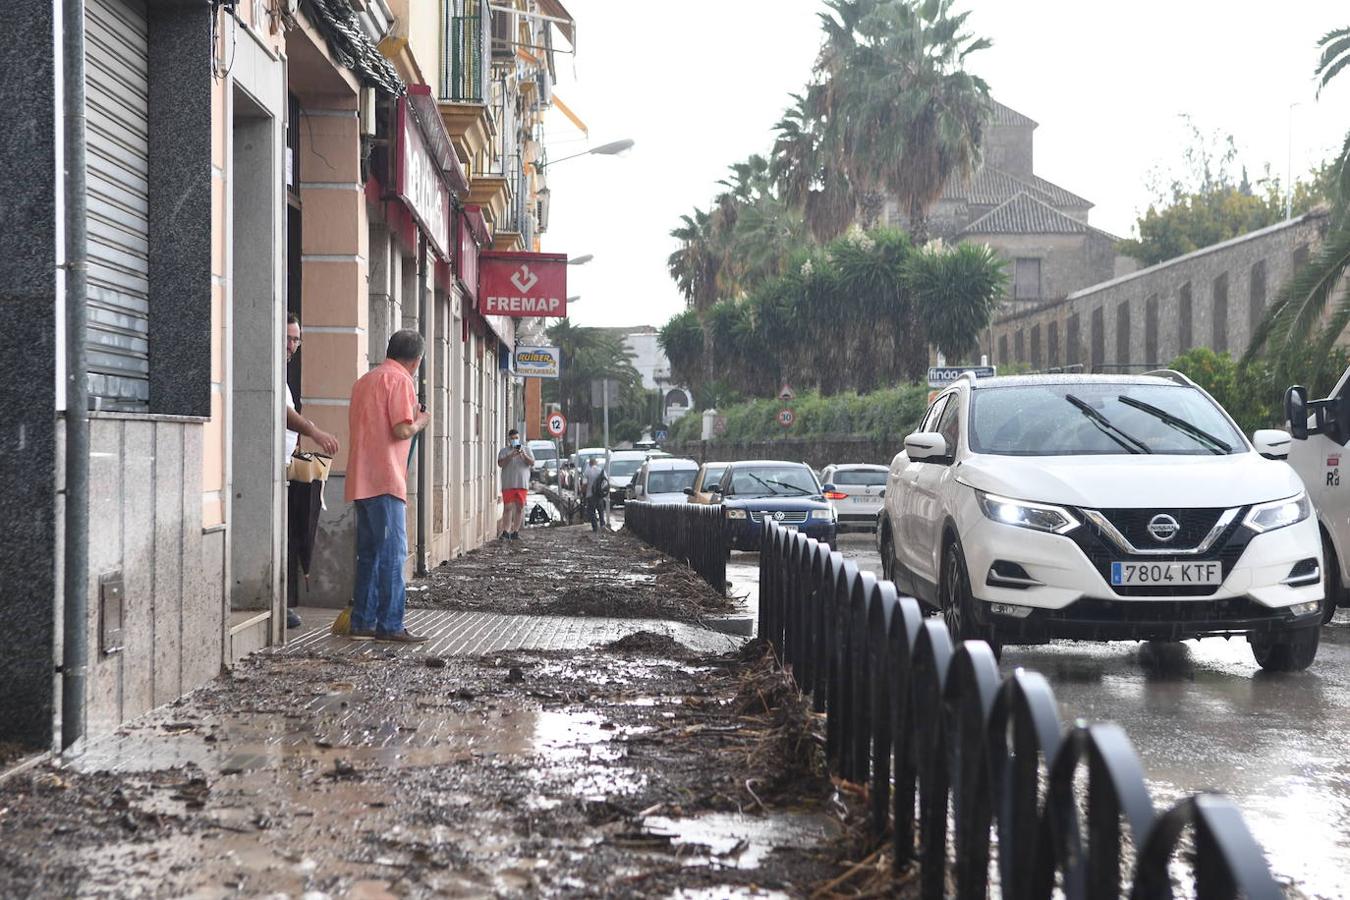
(367, 112)
(545, 88)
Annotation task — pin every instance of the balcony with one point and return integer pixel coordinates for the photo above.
(466, 78)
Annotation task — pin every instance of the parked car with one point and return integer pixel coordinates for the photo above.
(663, 480)
(542, 451)
(708, 476)
(548, 472)
(620, 467)
(581, 458)
(854, 490)
(786, 492)
(1102, 508)
(1320, 430)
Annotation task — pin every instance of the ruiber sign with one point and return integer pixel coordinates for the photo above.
(522, 284)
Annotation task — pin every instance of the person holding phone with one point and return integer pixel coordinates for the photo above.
(515, 462)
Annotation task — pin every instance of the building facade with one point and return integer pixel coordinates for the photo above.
(245, 161)
(1214, 297)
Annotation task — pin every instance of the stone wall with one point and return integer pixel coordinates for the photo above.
(817, 452)
(1210, 298)
(1068, 261)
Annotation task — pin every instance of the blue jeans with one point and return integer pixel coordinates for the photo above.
(381, 548)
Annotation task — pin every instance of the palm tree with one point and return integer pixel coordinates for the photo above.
(1301, 305)
(893, 112)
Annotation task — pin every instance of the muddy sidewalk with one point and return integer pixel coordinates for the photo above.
(571, 571)
(634, 768)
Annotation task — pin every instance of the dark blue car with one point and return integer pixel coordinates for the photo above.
(786, 492)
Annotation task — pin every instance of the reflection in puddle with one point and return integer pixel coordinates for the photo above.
(735, 840)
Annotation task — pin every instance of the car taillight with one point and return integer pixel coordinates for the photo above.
(835, 495)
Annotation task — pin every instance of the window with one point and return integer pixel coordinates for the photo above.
(1098, 338)
(1052, 343)
(670, 481)
(864, 477)
(1019, 346)
(1003, 349)
(1072, 340)
(1151, 330)
(773, 481)
(1040, 420)
(948, 424)
(1035, 346)
(1027, 279)
(1220, 321)
(1123, 334)
(1184, 318)
(1256, 309)
(934, 413)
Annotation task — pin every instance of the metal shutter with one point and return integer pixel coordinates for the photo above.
(117, 106)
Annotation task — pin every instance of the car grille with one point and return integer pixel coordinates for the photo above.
(1133, 523)
(1101, 551)
(1179, 611)
(789, 518)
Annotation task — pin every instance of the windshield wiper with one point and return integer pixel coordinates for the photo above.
(795, 487)
(772, 492)
(1217, 446)
(1128, 441)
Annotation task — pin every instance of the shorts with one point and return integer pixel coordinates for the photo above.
(516, 496)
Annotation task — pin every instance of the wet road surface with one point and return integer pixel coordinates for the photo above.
(1202, 716)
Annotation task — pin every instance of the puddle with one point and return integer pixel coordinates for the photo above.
(739, 841)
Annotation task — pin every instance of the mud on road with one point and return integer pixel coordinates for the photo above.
(570, 571)
(631, 771)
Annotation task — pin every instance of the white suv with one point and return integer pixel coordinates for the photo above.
(1102, 508)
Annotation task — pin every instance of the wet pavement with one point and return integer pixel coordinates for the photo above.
(1203, 716)
(513, 755)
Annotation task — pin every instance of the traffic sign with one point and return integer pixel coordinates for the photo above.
(557, 424)
(941, 376)
(786, 417)
(785, 394)
(660, 435)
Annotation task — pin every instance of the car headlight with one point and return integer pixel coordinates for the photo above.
(735, 514)
(1269, 516)
(823, 514)
(1025, 514)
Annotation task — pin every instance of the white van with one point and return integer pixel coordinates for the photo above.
(541, 451)
(1320, 430)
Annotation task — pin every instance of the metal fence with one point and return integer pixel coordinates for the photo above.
(954, 755)
(465, 67)
(690, 532)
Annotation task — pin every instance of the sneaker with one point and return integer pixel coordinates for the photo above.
(361, 634)
(400, 637)
(515, 535)
(292, 620)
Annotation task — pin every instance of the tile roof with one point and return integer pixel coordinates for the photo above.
(1058, 195)
(1006, 115)
(990, 187)
(1025, 214)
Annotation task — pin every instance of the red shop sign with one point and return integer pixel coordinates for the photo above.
(522, 284)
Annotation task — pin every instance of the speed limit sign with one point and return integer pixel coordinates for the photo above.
(786, 417)
(557, 424)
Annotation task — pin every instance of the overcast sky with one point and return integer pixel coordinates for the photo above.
(699, 84)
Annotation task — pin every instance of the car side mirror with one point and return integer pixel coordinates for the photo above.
(1272, 443)
(712, 489)
(689, 492)
(1296, 411)
(926, 446)
(828, 488)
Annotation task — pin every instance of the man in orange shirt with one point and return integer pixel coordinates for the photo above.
(383, 417)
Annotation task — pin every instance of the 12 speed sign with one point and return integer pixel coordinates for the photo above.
(557, 424)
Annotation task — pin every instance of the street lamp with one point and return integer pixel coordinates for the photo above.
(575, 299)
(610, 149)
(581, 260)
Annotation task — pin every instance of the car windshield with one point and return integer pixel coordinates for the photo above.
(773, 481)
(624, 467)
(860, 477)
(712, 475)
(541, 454)
(1098, 419)
(670, 482)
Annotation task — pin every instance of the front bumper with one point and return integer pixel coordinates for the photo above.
(743, 534)
(1071, 597)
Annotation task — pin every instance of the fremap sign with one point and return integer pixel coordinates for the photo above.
(522, 285)
(538, 362)
(941, 376)
(419, 184)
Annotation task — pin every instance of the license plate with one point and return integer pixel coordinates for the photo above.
(1170, 574)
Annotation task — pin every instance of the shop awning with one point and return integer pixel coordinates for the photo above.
(558, 11)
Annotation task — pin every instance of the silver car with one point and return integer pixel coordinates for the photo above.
(663, 480)
(855, 492)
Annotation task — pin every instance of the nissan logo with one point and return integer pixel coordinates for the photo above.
(1163, 527)
(778, 516)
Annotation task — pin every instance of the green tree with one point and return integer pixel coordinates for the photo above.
(957, 293)
(589, 354)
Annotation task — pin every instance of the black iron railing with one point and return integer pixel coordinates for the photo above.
(918, 718)
(692, 533)
(466, 65)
